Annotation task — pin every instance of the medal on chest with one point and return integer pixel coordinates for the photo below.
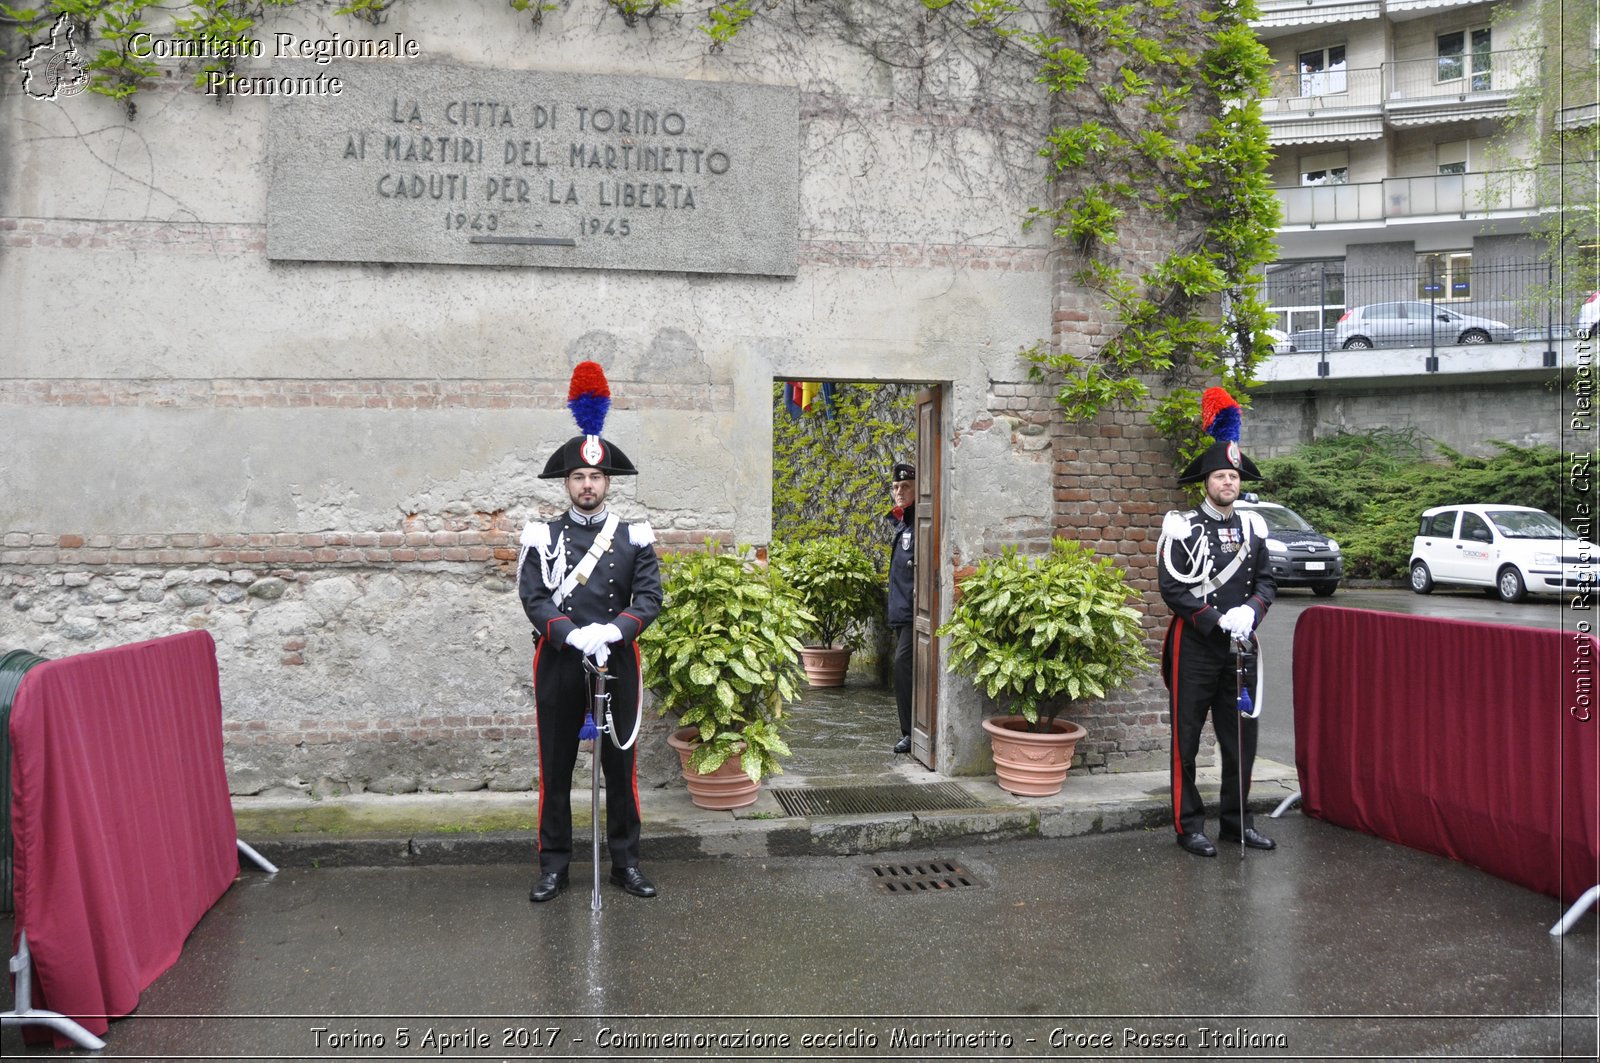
(1229, 540)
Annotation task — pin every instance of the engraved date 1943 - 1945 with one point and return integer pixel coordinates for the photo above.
(478, 222)
(488, 222)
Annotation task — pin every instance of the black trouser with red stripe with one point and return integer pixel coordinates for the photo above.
(904, 669)
(561, 696)
(1199, 671)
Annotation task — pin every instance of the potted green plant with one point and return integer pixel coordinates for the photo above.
(841, 588)
(1036, 633)
(722, 656)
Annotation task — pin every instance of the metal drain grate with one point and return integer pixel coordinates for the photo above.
(855, 800)
(924, 877)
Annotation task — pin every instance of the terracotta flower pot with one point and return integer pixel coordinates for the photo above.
(825, 666)
(726, 788)
(1031, 764)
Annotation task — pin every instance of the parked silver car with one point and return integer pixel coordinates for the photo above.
(1414, 324)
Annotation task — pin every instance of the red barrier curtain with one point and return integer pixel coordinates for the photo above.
(123, 828)
(1453, 737)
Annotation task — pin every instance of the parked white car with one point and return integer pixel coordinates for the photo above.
(1509, 550)
(1280, 341)
(1589, 316)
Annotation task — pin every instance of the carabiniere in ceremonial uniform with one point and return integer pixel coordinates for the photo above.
(590, 583)
(1215, 577)
(902, 611)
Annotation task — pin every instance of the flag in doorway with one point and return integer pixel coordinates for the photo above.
(799, 397)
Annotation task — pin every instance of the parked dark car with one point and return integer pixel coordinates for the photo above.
(1313, 340)
(1299, 555)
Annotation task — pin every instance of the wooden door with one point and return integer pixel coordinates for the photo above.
(925, 652)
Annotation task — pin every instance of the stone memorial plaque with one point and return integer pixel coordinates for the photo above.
(470, 166)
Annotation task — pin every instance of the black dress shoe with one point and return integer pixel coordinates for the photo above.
(546, 886)
(1197, 843)
(904, 745)
(633, 881)
(1252, 839)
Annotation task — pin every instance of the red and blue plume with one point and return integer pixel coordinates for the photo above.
(589, 397)
(1219, 415)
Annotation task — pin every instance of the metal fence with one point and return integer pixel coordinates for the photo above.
(1446, 300)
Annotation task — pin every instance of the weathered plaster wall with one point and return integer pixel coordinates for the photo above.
(326, 464)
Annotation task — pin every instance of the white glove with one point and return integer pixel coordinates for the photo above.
(584, 639)
(601, 636)
(1238, 621)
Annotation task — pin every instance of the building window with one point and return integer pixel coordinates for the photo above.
(1307, 299)
(1444, 275)
(1329, 168)
(1466, 54)
(1462, 156)
(1322, 71)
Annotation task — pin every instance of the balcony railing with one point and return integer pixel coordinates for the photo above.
(1459, 77)
(1403, 84)
(1325, 90)
(1409, 197)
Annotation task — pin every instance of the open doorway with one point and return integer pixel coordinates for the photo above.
(835, 444)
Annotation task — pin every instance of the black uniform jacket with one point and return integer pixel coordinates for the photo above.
(624, 589)
(1250, 584)
(903, 568)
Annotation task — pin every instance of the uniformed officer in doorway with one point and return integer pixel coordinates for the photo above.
(590, 583)
(1214, 576)
(903, 590)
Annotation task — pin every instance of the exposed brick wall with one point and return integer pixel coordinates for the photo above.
(1028, 411)
(486, 539)
(216, 238)
(358, 394)
(1114, 481)
(333, 647)
(201, 238)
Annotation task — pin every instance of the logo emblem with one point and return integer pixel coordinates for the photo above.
(54, 70)
(593, 453)
(1233, 454)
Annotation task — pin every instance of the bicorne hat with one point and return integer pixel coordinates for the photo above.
(589, 399)
(1219, 416)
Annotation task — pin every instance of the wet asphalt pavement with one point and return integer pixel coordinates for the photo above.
(1335, 946)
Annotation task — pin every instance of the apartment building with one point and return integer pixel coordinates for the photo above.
(1399, 169)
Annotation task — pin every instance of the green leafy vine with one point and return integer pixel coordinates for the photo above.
(1158, 121)
(830, 465)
